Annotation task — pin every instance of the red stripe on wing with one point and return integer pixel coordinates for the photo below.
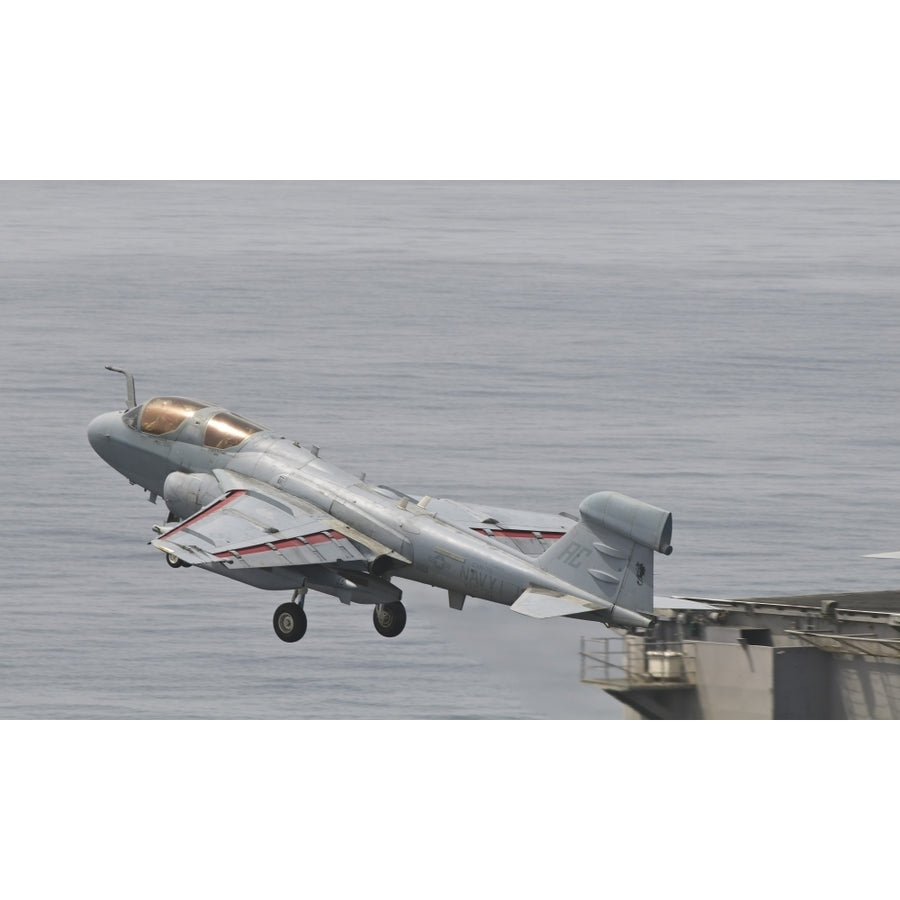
(319, 537)
(523, 535)
(219, 504)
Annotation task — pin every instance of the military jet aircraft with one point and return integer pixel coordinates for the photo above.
(248, 504)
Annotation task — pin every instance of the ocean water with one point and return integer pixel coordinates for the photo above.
(728, 351)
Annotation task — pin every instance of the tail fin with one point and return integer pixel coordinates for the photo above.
(609, 553)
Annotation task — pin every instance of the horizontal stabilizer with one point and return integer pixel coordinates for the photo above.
(893, 555)
(545, 604)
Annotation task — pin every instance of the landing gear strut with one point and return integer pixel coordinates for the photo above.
(389, 618)
(289, 620)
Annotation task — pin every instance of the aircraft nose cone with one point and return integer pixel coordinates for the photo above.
(99, 432)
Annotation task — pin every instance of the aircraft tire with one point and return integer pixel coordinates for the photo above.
(175, 562)
(389, 618)
(289, 622)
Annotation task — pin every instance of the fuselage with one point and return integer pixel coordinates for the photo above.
(151, 443)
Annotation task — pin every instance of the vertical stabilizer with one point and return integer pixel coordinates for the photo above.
(609, 553)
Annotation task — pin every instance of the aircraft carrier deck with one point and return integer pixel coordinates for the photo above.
(817, 656)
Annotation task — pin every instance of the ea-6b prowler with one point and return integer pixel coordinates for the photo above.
(246, 503)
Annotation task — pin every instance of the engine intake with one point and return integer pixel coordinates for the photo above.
(186, 493)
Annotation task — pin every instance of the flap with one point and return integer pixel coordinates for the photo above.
(528, 532)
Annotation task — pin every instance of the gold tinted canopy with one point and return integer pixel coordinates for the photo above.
(163, 415)
(226, 430)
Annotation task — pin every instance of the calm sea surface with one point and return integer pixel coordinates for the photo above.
(730, 352)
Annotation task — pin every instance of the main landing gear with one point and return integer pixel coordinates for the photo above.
(389, 618)
(289, 620)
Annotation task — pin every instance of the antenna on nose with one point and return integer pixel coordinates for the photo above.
(129, 379)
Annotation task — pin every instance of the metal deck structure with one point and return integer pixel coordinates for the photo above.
(816, 656)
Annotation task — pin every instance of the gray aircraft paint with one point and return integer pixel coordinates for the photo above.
(239, 498)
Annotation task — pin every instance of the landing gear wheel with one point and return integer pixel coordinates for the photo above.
(175, 562)
(289, 622)
(389, 618)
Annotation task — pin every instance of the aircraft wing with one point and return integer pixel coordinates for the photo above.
(528, 532)
(253, 525)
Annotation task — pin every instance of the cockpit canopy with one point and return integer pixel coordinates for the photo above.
(226, 430)
(164, 415)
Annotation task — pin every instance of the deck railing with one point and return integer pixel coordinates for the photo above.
(635, 661)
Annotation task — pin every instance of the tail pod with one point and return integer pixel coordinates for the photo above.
(609, 553)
